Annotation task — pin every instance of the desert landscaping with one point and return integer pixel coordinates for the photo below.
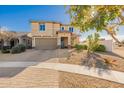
(77, 57)
(76, 54)
(72, 80)
(38, 77)
(77, 80)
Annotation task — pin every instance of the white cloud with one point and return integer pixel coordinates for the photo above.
(4, 28)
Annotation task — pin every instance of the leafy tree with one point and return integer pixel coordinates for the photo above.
(92, 58)
(93, 43)
(6, 35)
(122, 41)
(100, 18)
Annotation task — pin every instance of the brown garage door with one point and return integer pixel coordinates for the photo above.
(46, 43)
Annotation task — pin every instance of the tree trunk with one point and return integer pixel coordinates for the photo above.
(114, 37)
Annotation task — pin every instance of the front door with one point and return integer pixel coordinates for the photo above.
(12, 43)
(62, 42)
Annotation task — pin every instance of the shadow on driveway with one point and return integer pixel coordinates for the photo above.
(12, 64)
(7, 72)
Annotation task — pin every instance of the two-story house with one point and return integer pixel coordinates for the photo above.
(52, 35)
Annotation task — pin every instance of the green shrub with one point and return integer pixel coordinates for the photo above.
(5, 49)
(80, 47)
(84, 47)
(22, 47)
(101, 48)
(15, 49)
(18, 49)
(29, 47)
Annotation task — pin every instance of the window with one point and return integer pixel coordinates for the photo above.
(42, 27)
(71, 29)
(62, 28)
(24, 41)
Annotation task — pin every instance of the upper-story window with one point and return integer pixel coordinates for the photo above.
(62, 28)
(42, 27)
(71, 29)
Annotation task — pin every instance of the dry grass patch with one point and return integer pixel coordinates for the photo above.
(77, 58)
(71, 80)
(73, 58)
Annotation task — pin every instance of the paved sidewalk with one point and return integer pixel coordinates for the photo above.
(111, 75)
(28, 78)
(26, 64)
(119, 51)
(53, 64)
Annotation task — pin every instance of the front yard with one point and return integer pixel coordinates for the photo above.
(72, 80)
(77, 57)
(39, 77)
(77, 80)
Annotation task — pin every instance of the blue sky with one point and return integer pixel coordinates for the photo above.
(16, 18)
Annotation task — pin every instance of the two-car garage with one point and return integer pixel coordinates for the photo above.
(45, 43)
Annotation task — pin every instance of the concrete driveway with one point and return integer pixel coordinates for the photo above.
(29, 56)
(33, 55)
(16, 70)
(10, 62)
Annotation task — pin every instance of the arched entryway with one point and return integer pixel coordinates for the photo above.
(1, 43)
(13, 42)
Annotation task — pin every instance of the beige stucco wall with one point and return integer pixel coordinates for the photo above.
(56, 28)
(33, 41)
(74, 41)
(35, 27)
(50, 29)
(66, 41)
(64, 35)
(108, 44)
(66, 27)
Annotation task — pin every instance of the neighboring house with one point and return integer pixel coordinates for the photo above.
(24, 39)
(12, 39)
(1, 43)
(52, 35)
